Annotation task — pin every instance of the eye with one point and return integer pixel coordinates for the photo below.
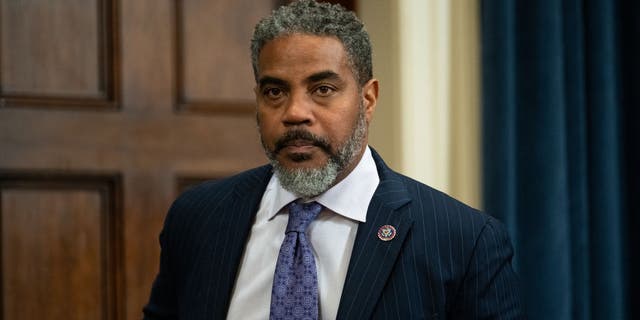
(324, 91)
(273, 93)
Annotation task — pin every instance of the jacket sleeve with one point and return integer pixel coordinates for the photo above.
(490, 286)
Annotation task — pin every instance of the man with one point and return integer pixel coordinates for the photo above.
(326, 230)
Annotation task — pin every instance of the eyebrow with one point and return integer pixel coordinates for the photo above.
(323, 75)
(316, 77)
(263, 81)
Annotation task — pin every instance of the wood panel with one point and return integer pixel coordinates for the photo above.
(58, 53)
(60, 246)
(153, 50)
(183, 183)
(213, 70)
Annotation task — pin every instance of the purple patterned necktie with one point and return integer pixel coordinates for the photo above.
(295, 284)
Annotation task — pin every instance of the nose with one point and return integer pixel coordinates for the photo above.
(298, 110)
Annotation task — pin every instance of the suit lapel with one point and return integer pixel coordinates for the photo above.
(243, 203)
(372, 259)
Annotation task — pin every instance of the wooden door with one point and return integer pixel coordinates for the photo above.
(108, 108)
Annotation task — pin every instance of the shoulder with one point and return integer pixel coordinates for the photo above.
(451, 223)
(421, 196)
(435, 198)
(210, 194)
(433, 210)
(448, 225)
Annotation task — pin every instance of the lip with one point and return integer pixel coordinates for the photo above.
(298, 148)
(299, 143)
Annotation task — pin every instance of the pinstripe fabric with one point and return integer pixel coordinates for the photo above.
(447, 261)
(202, 242)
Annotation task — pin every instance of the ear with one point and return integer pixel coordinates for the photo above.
(370, 98)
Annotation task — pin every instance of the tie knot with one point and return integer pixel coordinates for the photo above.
(301, 215)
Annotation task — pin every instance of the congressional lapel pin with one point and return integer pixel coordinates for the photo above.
(386, 232)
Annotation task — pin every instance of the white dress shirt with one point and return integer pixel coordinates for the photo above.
(332, 235)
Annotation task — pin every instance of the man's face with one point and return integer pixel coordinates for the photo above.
(309, 102)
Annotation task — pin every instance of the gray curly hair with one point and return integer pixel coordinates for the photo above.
(322, 19)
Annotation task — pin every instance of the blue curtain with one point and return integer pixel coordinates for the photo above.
(560, 160)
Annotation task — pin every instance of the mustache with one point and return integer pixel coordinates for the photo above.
(290, 136)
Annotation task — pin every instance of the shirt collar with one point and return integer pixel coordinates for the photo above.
(349, 198)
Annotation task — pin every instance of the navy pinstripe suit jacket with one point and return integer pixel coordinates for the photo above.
(448, 261)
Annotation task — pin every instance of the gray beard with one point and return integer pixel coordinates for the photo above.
(309, 182)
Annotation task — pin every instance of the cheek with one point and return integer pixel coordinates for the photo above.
(338, 129)
(269, 115)
(268, 132)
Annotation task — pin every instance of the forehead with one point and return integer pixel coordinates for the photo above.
(301, 54)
